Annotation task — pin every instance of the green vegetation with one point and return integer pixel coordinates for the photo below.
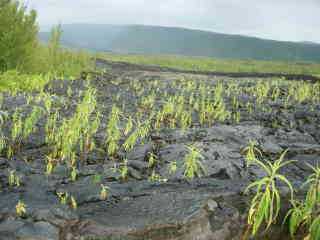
(18, 36)
(113, 132)
(252, 153)
(104, 192)
(193, 166)
(90, 128)
(302, 218)
(216, 65)
(25, 63)
(21, 209)
(77, 131)
(265, 206)
(76, 127)
(14, 81)
(59, 61)
(13, 180)
(305, 215)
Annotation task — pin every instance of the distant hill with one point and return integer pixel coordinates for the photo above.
(179, 41)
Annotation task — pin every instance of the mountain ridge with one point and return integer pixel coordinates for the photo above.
(145, 39)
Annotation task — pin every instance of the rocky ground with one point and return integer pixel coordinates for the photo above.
(211, 207)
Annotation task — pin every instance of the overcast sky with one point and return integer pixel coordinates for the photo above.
(293, 20)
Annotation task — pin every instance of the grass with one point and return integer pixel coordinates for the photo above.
(218, 65)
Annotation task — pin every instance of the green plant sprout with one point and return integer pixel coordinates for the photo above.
(124, 170)
(51, 128)
(96, 178)
(193, 166)
(129, 126)
(104, 192)
(13, 179)
(30, 122)
(152, 160)
(113, 132)
(173, 167)
(306, 214)
(139, 133)
(131, 141)
(47, 100)
(265, 205)
(73, 203)
(185, 119)
(63, 197)
(50, 165)
(16, 133)
(3, 143)
(252, 153)
(73, 174)
(21, 209)
(155, 177)
(86, 141)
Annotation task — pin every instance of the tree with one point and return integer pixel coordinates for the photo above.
(54, 47)
(18, 35)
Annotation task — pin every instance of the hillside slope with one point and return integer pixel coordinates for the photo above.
(179, 41)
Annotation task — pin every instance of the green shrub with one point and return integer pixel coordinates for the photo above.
(18, 35)
(25, 63)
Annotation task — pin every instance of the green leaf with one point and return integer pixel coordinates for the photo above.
(286, 181)
(315, 229)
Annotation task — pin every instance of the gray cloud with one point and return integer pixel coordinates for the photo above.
(292, 20)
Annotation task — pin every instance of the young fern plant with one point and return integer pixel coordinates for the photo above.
(265, 205)
(306, 214)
